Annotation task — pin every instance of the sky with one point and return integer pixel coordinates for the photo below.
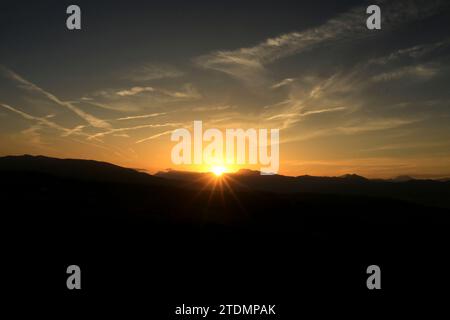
(345, 98)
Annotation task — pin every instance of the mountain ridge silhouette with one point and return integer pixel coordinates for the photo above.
(77, 168)
(427, 192)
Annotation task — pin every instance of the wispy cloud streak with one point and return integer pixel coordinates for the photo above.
(93, 121)
(144, 116)
(113, 131)
(246, 63)
(155, 136)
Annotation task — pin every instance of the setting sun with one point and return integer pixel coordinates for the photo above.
(218, 170)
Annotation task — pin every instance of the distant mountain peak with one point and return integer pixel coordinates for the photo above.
(352, 176)
(402, 178)
(248, 172)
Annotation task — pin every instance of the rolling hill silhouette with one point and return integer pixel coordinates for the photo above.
(428, 192)
(88, 170)
(176, 230)
(102, 193)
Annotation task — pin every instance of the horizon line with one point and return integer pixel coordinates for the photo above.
(146, 171)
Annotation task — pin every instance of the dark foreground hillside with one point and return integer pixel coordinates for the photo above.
(161, 242)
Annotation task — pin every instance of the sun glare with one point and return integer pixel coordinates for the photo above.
(218, 170)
